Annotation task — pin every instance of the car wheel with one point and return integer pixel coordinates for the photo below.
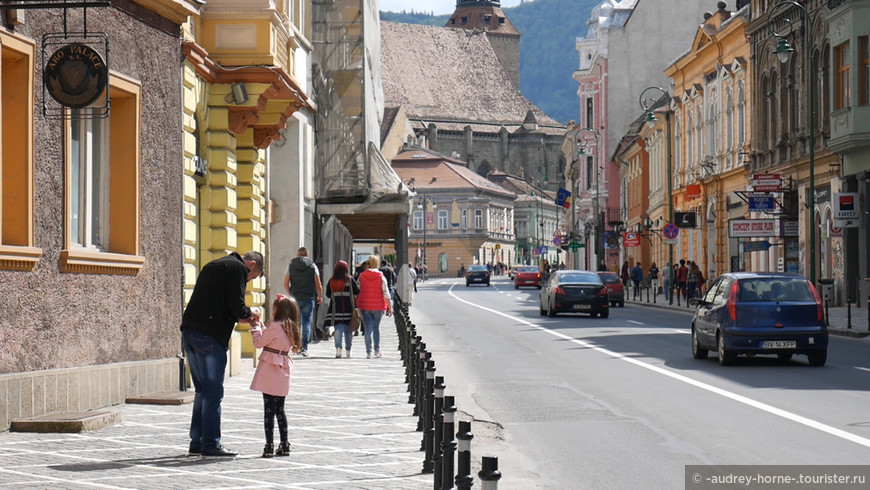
(604, 314)
(698, 352)
(818, 358)
(516, 286)
(551, 312)
(542, 310)
(539, 286)
(622, 304)
(487, 284)
(784, 356)
(726, 358)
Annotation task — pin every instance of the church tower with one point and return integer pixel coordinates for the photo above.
(487, 15)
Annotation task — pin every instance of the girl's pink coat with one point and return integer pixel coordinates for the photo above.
(274, 370)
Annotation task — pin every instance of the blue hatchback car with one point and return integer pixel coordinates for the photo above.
(760, 313)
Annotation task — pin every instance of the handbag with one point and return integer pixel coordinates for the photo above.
(356, 317)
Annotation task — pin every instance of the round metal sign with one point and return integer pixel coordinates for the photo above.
(75, 75)
(670, 230)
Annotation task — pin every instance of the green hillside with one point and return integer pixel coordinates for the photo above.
(547, 55)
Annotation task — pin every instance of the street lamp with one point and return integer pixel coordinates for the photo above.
(648, 104)
(783, 52)
(422, 204)
(585, 138)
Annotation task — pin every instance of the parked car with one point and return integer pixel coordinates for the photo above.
(760, 313)
(573, 291)
(476, 274)
(528, 275)
(615, 289)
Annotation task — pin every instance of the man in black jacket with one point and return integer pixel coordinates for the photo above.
(216, 305)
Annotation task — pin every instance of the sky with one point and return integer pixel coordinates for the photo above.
(439, 7)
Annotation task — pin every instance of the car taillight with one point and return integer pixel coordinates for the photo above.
(732, 302)
(820, 311)
(559, 290)
(486, 274)
(602, 291)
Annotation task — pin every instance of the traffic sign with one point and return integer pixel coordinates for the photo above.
(631, 239)
(671, 231)
(557, 240)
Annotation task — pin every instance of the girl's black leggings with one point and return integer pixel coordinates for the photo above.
(273, 407)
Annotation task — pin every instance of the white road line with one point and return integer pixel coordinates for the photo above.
(636, 323)
(862, 368)
(679, 377)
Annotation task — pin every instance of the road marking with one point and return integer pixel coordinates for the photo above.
(636, 323)
(813, 424)
(862, 368)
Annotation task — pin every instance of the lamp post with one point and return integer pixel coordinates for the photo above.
(783, 52)
(422, 204)
(583, 139)
(648, 104)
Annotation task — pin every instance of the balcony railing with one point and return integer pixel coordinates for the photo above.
(615, 217)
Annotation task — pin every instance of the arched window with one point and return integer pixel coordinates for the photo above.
(690, 141)
(729, 122)
(699, 132)
(712, 135)
(678, 152)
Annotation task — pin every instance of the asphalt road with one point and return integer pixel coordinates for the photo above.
(579, 402)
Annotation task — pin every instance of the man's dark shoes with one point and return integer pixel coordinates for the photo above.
(194, 450)
(220, 451)
(283, 449)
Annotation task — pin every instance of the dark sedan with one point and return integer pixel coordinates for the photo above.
(760, 313)
(571, 291)
(476, 274)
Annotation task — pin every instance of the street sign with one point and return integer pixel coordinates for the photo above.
(761, 202)
(760, 246)
(685, 220)
(766, 183)
(497, 246)
(845, 205)
(631, 239)
(845, 223)
(557, 240)
(788, 227)
(544, 249)
(575, 245)
(748, 228)
(671, 231)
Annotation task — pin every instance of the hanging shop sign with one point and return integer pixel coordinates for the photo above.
(75, 75)
(748, 228)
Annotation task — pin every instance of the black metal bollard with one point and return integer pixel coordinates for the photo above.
(464, 480)
(647, 294)
(421, 391)
(413, 371)
(655, 293)
(827, 305)
(848, 314)
(448, 443)
(428, 442)
(489, 474)
(439, 429)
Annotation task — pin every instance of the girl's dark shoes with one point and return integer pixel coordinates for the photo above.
(283, 449)
(268, 450)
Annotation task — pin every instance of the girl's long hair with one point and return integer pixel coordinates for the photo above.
(287, 314)
(340, 276)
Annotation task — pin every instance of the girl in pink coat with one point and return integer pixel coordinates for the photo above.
(272, 378)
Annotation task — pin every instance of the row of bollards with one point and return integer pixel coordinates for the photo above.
(436, 414)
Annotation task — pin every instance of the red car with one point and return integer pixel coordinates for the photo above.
(527, 276)
(615, 289)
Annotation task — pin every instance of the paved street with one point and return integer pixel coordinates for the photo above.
(350, 428)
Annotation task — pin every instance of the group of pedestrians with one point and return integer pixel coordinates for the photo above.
(686, 280)
(218, 303)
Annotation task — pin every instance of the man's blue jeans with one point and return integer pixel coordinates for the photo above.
(306, 313)
(207, 359)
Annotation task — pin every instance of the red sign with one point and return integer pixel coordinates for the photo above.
(766, 183)
(631, 239)
(693, 191)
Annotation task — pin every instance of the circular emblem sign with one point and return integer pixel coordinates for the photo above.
(75, 75)
(670, 230)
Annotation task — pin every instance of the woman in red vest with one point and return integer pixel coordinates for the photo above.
(373, 301)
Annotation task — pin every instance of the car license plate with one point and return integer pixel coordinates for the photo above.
(582, 307)
(779, 344)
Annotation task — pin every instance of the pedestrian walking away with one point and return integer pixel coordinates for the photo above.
(637, 279)
(341, 290)
(374, 300)
(275, 369)
(302, 281)
(667, 280)
(654, 278)
(216, 305)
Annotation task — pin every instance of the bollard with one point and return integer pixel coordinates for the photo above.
(849, 314)
(655, 294)
(464, 480)
(419, 376)
(827, 305)
(868, 312)
(489, 474)
(448, 443)
(409, 365)
(436, 421)
(428, 442)
(421, 391)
